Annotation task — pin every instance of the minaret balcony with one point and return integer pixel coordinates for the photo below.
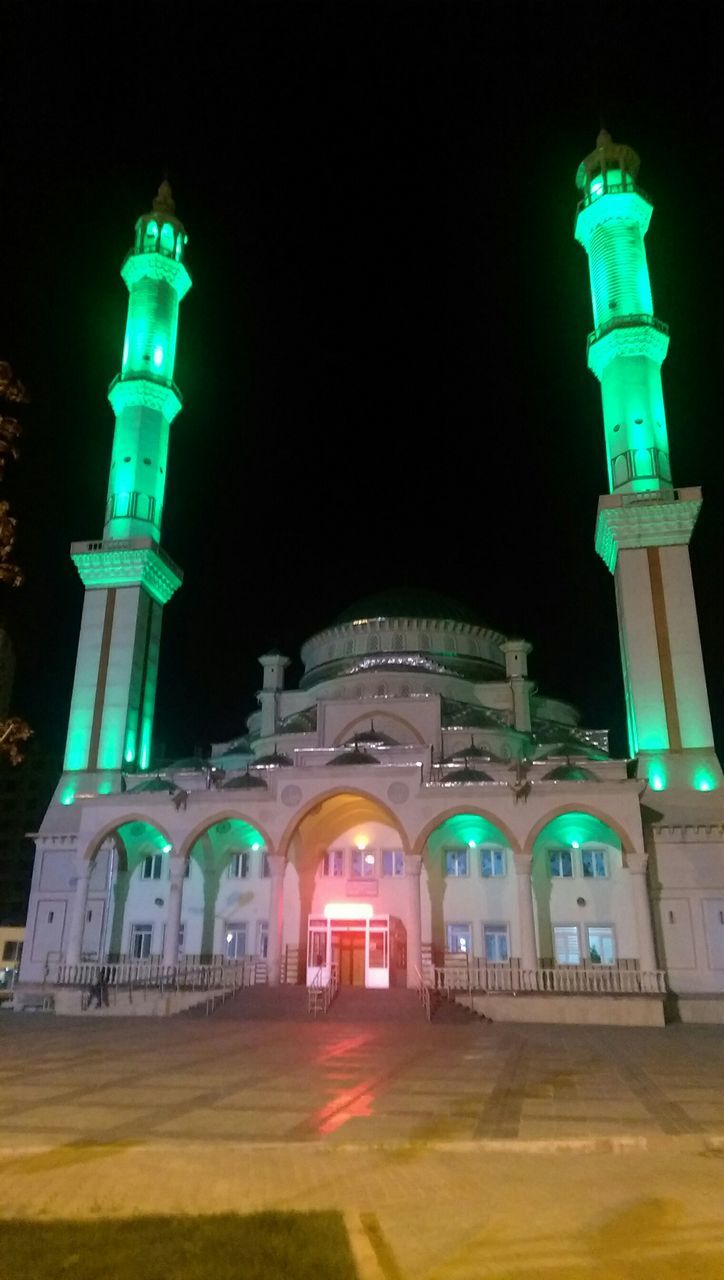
(627, 335)
(147, 390)
(127, 562)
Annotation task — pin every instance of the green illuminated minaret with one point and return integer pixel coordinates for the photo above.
(644, 525)
(127, 576)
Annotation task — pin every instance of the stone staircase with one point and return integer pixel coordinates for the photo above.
(352, 1004)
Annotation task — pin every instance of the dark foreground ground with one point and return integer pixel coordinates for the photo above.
(454, 1149)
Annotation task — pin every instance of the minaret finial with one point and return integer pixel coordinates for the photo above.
(163, 202)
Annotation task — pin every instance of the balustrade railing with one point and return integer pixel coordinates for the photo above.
(563, 980)
(130, 975)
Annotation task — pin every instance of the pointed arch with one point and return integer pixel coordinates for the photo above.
(628, 843)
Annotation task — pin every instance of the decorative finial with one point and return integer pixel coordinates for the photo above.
(164, 202)
(603, 138)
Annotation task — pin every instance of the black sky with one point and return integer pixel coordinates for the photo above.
(383, 354)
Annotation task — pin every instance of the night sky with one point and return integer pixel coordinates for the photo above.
(383, 353)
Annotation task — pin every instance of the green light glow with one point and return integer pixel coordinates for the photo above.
(105, 787)
(704, 779)
(469, 829)
(628, 346)
(67, 795)
(657, 775)
(572, 830)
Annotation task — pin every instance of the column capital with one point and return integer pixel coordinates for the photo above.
(413, 864)
(276, 863)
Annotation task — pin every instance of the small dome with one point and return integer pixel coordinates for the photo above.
(570, 773)
(156, 784)
(273, 760)
(357, 755)
(465, 774)
(372, 738)
(243, 782)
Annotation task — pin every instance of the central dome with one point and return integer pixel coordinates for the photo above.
(408, 602)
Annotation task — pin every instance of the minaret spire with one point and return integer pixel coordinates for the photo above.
(644, 527)
(128, 577)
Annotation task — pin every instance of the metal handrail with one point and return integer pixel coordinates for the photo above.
(423, 992)
(321, 991)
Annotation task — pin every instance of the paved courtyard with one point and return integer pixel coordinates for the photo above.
(456, 1149)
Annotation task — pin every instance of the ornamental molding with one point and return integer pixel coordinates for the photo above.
(106, 566)
(626, 340)
(655, 518)
(156, 266)
(146, 393)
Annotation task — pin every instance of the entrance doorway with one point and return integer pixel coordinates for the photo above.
(350, 938)
(348, 953)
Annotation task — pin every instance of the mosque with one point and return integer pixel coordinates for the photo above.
(416, 806)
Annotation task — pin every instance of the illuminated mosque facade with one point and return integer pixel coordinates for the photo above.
(416, 806)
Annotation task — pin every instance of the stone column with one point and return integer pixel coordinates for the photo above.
(526, 919)
(413, 867)
(277, 863)
(177, 868)
(636, 864)
(77, 920)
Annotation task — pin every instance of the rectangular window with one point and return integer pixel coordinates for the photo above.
(456, 862)
(262, 938)
(265, 866)
(593, 862)
(567, 944)
(495, 943)
(11, 950)
(235, 936)
(363, 864)
(560, 862)
(151, 866)
(141, 936)
(393, 862)
(459, 938)
(333, 863)
(492, 862)
(601, 944)
(239, 866)
(181, 937)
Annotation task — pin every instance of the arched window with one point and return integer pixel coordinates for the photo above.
(179, 246)
(167, 237)
(151, 234)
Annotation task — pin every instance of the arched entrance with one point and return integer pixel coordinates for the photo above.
(347, 862)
